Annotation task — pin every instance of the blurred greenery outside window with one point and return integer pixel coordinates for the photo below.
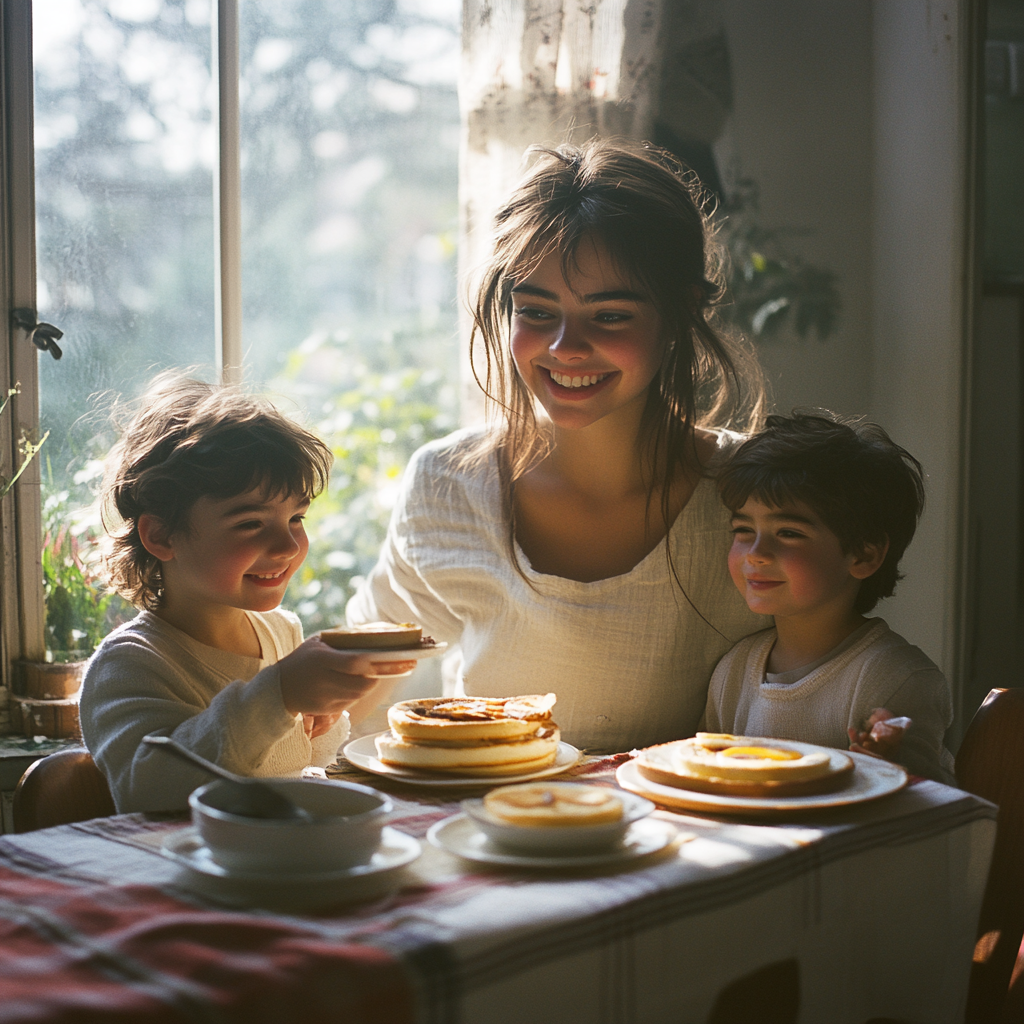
(349, 201)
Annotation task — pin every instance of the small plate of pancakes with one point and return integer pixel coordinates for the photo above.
(748, 775)
(387, 642)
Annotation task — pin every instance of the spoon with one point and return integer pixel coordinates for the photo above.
(247, 797)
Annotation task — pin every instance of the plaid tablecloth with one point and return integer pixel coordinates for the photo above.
(854, 914)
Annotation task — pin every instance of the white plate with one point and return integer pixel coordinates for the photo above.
(386, 655)
(872, 778)
(363, 754)
(395, 851)
(460, 835)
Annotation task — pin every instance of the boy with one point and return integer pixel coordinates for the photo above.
(822, 513)
(204, 500)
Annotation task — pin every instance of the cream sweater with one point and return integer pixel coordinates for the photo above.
(628, 657)
(147, 676)
(879, 670)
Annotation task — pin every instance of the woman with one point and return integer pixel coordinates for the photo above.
(580, 547)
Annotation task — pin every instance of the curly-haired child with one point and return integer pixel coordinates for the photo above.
(204, 500)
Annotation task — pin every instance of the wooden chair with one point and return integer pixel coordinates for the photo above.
(59, 789)
(990, 764)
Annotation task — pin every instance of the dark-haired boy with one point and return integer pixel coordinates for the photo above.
(822, 513)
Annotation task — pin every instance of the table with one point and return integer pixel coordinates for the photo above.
(847, 916)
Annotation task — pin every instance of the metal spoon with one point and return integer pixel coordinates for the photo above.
(247, 797)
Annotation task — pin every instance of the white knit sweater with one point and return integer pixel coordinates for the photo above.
(629, 658)
(149, 677)
(879, 670)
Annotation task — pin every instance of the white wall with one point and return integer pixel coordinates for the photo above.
(919, 263)
(850, 115)
(801, 129)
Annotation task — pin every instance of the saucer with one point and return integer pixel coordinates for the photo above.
(293, 889)
(460, 835)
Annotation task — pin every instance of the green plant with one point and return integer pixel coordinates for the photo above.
(79, 612)
(29, 449)
(768, 285)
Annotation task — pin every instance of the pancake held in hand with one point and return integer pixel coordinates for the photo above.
(374, 636)
(553, 804)
(745, 766)
(471, 735)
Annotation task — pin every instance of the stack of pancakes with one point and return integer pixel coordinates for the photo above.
(471, 735)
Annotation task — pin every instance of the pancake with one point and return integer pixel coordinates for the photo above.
(400, 752)
(471, 735)
(554, 804)
(373, 636)
(745, 766)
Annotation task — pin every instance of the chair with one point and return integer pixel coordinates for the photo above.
(990, 764)
(59, 789)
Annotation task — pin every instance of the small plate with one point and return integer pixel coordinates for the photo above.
(872, 778)
(461, 836)
(395, 851)
(558, 840)
(363, 754)
(385, 656)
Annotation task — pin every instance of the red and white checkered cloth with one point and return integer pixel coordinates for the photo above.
(95, 925)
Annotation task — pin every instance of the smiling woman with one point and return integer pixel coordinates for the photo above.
(580, 546)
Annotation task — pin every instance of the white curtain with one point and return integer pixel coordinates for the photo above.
(545, 72)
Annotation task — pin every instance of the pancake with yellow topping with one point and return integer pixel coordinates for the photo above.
(745, 765)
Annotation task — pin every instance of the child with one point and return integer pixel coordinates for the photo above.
(822, 513)
(204, 500)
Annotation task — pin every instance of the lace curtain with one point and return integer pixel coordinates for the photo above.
(545, 72)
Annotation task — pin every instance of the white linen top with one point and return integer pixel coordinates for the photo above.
(878, 670)
(629, 657)
(149, 677)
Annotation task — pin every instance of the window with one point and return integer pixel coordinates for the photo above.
(349, 149)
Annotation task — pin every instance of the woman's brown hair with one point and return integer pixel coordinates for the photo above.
(186, 440)
(648, 214)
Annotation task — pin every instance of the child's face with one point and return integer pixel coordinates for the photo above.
(786, 562)
(586, 347)
(239, 552)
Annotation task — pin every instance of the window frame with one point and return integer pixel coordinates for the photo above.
(22, 603)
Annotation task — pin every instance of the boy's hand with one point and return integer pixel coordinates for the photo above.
(319, 680)
(882, 737)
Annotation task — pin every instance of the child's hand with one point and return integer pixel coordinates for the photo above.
(317, 725)
(318, 680)
(882, 737)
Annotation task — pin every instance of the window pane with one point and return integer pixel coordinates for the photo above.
(350, 129)
(124, 151)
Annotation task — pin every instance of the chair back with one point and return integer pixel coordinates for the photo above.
(990, 764)
(59, 789)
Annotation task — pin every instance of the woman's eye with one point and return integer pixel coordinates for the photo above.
(533, 313)
(613, 317)
(790, 534)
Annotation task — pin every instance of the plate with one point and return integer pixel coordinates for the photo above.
(384, 656)
(363, 754)
(872, 778)
(395, 851)
(460, 835)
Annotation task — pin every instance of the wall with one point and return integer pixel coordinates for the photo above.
(850, 115)
(801, 128)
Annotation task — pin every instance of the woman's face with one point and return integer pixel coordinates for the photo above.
(587, 347)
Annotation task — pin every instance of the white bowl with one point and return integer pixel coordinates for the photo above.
(345, 830)
(554, 839)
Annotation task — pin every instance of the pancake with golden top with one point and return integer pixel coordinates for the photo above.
(471, 735)
(380, 636)
(745, 765)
